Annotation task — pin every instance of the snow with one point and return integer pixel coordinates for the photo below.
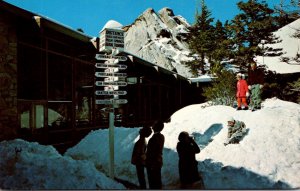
(112, 24)
(267, 158)
(203, 78)
(290, 46)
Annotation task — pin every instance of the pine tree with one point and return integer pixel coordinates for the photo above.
(249, 28)
(222, 46)
(200, 39)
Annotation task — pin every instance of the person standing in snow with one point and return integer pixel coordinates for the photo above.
(187, 149)
(242, 92)
(255, 82)
(236, 131)
(139, 155)
(154, 156)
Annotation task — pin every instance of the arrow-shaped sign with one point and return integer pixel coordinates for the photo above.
(107, 57)
(111, 79)
(111, 70)
(100, 83)
(111, 101)
(111, 88)
(110, 92)
(101, 65)
(106, 74)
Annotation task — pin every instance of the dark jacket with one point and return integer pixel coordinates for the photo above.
(139, 152)
(188, 166)
(155, 150)
(255, 76)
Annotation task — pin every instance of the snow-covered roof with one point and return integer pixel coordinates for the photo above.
(290, 46)
(203, 78)
(112, 24)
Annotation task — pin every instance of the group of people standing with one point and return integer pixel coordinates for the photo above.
(251, 88)
(151, 157)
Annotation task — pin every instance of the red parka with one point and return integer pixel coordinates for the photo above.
(242, 88)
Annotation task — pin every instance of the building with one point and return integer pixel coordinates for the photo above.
(47, 83)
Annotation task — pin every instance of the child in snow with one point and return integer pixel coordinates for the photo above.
(236, 131)
(242, 92)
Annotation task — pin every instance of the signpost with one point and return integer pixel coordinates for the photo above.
(111, 92)
(101, 83)
(111, 101)
(106, 57)
(107, 74)
(104, 66)
(110, 40)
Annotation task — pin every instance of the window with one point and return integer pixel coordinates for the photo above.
(31, 73)
(32, 114)
(84, 93)
(59, 78)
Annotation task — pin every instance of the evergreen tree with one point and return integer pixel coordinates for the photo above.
(255, 23)
(200, 39)
(222, 91)
(222, 47)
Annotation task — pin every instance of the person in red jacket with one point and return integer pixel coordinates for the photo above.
(242, 92)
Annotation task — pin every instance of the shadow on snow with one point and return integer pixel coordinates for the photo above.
(204, 139)
(218, 176)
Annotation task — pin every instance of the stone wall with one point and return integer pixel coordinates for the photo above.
(8, 78)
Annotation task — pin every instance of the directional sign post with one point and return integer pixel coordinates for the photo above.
(110, 81)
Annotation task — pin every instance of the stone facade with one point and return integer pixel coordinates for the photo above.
(8, 78)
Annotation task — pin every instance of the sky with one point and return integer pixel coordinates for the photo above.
(268, 157)
(92, 15)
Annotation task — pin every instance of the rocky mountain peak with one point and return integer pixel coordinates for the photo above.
(160, 38)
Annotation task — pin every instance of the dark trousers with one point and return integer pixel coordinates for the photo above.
(154, 177)
(141, 176)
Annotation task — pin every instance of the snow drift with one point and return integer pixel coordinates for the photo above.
(267, 158)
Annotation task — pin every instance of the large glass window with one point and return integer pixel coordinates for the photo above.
(59, 78)
(31, 73)
(59, 91)
(59, 114)
(84, 92)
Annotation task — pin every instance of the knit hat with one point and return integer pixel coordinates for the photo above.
(243, 76)
(230, 118)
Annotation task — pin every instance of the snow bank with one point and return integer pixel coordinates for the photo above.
(267, 158)
(25, 165)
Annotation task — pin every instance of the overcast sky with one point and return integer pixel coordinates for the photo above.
(91, 15)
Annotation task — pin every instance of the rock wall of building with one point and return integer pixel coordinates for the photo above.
(8, 78)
